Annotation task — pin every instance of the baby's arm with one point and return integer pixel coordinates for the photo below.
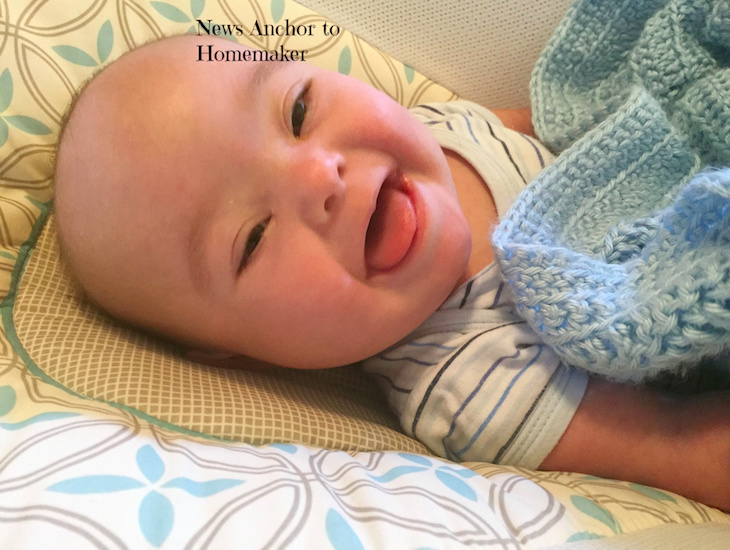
(678, 443)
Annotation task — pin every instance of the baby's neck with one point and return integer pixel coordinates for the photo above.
(479, 209)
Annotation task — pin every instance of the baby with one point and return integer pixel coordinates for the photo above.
(281, 212)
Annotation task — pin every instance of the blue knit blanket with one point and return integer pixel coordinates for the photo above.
(619, 253)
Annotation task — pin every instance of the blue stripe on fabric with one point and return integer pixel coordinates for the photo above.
(511, 439)
(392, 385)
(441, 371)
(471, 131)
(537, 150)
(506, 150)
(499, 404)
(468, 400)
(466, 294)
(429, 108)
(496, 298)
(432, 345)
(435, 380)
(408, 359)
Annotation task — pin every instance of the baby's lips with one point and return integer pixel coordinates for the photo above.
(391, 230)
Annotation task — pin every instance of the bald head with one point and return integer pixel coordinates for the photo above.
(127, 153)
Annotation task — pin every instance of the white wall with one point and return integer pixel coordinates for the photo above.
(483, 50)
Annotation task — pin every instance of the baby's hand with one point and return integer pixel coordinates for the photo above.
(678, 443)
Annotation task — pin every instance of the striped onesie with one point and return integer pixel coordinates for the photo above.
(474, 382)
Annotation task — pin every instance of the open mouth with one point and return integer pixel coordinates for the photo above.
(392, 225)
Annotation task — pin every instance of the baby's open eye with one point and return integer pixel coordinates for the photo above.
(298, 112)
(252, 242)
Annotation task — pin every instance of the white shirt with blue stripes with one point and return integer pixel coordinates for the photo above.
(474, 382)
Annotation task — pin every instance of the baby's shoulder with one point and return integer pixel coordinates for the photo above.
(458, 109)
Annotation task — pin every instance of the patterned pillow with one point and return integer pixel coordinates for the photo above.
(70, 344)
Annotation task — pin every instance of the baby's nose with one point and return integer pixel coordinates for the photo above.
(319, 178)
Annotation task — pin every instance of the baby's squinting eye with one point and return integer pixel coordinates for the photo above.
(298, 112)
(252, 242)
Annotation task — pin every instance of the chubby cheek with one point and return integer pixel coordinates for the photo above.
(324, 317)
(307, 317)
(318, 290)
(457, 237)
(378, 121)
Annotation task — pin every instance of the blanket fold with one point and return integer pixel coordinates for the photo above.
(619, 253)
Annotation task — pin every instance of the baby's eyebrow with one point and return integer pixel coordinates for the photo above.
(261, 73)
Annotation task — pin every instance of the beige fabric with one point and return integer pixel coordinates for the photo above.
(483, 50)
(669, 537)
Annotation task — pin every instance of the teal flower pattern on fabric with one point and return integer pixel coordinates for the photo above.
(156, 512)
(277, 9)
(452, 477)
(26, 124)
(409, 72)
(449, 476)
(104, 45)
(652, 493)
(344, 63)
(8, 399)
(340, 534)
(597, 512)
(177, 15)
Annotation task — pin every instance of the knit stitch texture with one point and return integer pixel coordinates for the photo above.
(619, 253)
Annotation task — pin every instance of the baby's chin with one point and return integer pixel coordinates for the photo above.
(227, 360)
(334, 352)
(320, 361)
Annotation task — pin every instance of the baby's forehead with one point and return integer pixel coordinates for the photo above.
(146, 118)
(160, 74)
(138, 72)
(171, 54)
(110, 128)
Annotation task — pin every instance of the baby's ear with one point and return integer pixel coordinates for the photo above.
(225, 359)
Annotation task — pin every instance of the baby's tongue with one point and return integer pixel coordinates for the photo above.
(391, 230)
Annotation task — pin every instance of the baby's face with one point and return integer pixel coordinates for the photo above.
(274, 210)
